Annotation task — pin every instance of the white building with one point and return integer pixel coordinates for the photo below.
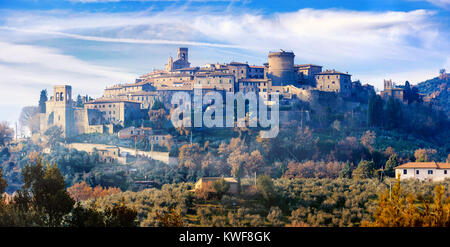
(429, 171)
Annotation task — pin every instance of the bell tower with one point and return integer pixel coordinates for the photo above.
(59, 109)
(183, 53)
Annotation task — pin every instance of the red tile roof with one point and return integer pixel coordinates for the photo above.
(435, 165)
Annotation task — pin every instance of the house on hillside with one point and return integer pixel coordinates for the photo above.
(206, 184)
(427, 171)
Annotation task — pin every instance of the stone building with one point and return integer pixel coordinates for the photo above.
(116, 111)
(206, 184)
(122, 103)
(334, 81)
(281, 68)
(181, 62)
(306, 73)
(391, 90)
(59, 111)
(98, 116)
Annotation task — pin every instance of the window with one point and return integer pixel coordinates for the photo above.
(405, 171)
(430, 172)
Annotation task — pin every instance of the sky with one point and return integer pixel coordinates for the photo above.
(91, 44)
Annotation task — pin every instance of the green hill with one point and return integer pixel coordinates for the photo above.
(437, 88)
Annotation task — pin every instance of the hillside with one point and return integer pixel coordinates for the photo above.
(437, 88)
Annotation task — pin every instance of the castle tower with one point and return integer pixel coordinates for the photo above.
(387, 84)
(281, 68)
(169, 65)
(59, 110)
(183, 53)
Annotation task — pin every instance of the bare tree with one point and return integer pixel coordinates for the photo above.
(6, 133)
(28, 112)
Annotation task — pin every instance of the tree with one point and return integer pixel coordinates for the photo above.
(368, 139)
(42, 99)
(86, 217)
(79, 101)
(275, 217)
(393, 113)
(221, 187)
(80, 191)
(157, 105)
(346, 171)
(425, 155)
(54, 134)
(27, 113)
(390, 165)
(120, 215)
(6, 133)
(170, 219)
(267, 189)
(374, 110)
(255, 163)
(3, 184)
(48, 192)
(158, 118)
(190, 156)
(397, 209)
(365, 169)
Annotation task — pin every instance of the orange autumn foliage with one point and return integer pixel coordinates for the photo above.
(397, 209)
(82, 191)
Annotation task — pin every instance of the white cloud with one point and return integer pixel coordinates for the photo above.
(27, 69)
(440, 3)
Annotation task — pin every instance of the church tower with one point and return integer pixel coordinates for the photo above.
(183, 54)
(59, 110)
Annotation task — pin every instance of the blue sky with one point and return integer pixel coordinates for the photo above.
(94, 43)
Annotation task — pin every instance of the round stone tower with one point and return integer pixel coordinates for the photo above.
(281, 68)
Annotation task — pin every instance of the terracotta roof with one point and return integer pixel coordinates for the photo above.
(435, 165)
(192, 68)
(111, 101)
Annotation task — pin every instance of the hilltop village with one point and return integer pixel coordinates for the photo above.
(122, 104)
(124, 109)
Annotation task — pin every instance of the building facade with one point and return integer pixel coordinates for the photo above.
(334, 81)
(427, 171)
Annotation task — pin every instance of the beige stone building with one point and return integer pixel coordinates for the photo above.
(206, 184)
(116, 111)
(60, 111)
(334, 81)
(181, 62)
(391, 90)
